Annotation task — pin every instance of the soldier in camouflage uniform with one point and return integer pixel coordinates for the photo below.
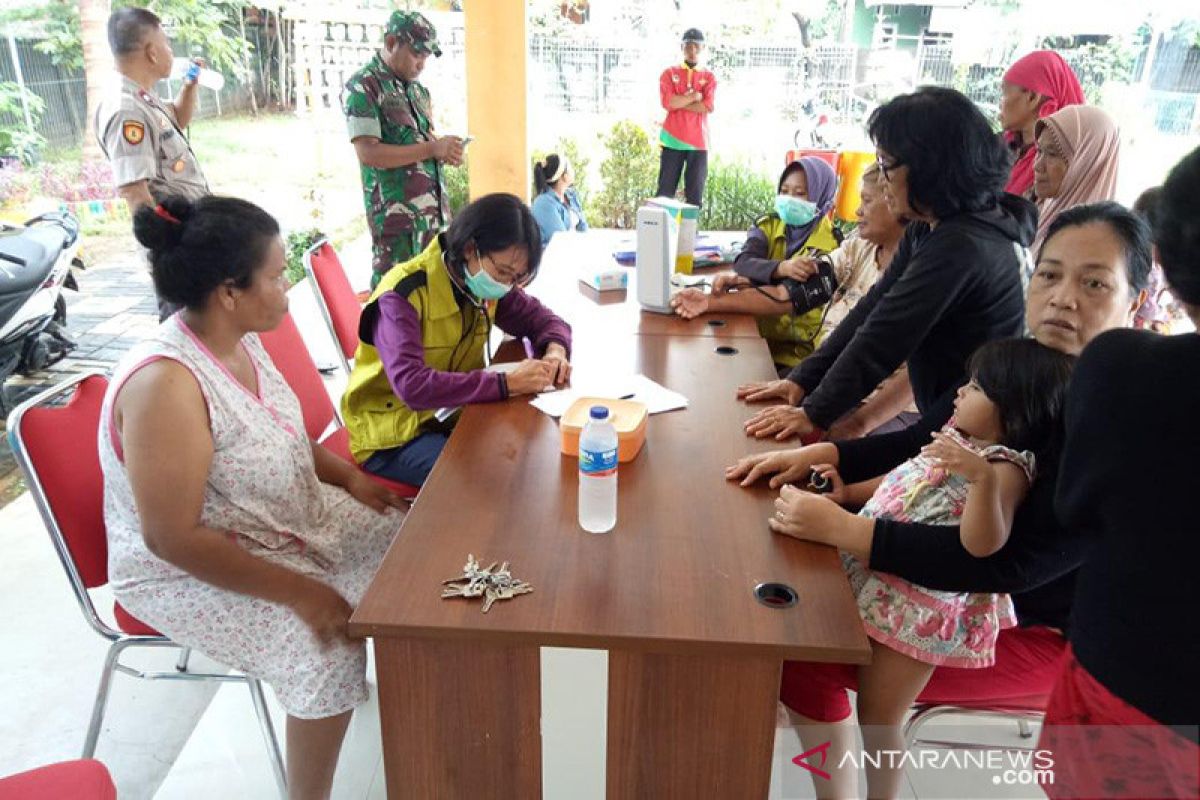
(390, 119)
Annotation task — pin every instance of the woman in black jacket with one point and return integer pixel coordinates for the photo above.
(954, 284)
(1091, 277)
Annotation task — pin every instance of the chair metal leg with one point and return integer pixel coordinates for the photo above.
(182, 664)
(93, 731)
(268, 731)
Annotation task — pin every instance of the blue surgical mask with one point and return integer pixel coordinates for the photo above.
(484, 286)
(795, 210)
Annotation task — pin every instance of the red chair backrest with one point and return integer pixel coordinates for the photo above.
(60, 445)
(340, 299)
(286, 347)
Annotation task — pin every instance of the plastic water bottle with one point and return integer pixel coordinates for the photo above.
(598, 473)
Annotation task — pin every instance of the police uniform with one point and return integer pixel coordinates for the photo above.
(406, 206)
(143, 141)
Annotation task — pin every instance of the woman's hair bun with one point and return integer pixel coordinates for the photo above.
(160, 227)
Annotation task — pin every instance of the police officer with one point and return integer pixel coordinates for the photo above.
(390, 120)
(142, 136)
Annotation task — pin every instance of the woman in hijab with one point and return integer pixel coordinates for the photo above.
(1078, 150)
(780, 247)
(1035, 87)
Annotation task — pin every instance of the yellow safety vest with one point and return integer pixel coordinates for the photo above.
(375, 417)
(792, 337)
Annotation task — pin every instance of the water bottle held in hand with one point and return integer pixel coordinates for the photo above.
(194, 73)
(598, 473)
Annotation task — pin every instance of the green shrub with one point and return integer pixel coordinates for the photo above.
(17, 141)
(297, 243)
(458, 190)
(630, 176)
(734, 197)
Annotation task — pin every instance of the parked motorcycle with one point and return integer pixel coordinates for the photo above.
(35, 264)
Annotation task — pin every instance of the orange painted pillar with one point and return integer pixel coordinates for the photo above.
(496, 97)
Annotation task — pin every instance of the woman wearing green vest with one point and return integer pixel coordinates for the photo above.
(779, 251)
(424, 331)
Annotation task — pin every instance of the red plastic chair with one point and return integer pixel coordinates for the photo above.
(56, 447)
(335, 298)
(86, 779)
(286, 347)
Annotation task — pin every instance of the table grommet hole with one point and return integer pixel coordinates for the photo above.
(776, 595)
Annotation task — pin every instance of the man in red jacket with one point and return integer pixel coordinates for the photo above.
(687, 94)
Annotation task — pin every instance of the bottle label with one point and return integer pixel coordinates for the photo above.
(598, 463)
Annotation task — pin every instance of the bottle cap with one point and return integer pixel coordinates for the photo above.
(599, 412)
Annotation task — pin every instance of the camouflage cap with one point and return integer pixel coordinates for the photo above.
(413, 29)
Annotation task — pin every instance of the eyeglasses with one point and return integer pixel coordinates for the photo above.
(507, 272)
(885, 168)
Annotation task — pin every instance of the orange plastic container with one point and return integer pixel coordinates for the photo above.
(830, 157)
(851, 166)
(628, 417)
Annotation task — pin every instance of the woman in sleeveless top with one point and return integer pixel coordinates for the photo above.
(229, 530)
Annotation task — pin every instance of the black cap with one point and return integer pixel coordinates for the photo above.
(693, 35)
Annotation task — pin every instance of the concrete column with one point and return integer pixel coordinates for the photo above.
(496, 92)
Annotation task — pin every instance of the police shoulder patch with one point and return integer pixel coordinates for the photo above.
(133, 131)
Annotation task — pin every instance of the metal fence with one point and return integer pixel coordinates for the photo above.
(64, 93)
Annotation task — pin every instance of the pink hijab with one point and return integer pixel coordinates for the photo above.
(1048, 74)
(1091, 142)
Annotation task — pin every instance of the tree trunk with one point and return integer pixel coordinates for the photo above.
(97, 66)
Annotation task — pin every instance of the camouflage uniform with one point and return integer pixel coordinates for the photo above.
(406, 206)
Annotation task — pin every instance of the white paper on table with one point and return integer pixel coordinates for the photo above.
(657, 397)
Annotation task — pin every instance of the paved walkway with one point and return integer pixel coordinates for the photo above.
(113, 309)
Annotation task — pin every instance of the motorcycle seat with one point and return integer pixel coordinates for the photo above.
(38, 247)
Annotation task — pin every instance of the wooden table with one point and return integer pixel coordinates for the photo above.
(694, 658)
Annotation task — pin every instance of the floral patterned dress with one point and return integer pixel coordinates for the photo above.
(263, 490)
(954, 629)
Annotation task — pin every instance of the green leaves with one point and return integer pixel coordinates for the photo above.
(15, 138)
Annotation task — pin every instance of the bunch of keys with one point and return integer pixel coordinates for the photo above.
(489, 583)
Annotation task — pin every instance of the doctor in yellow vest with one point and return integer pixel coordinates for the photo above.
(424, 332)
(780, 247)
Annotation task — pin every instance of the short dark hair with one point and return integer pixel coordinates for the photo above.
(493, 223)
(1177, 230)
(1147, 205)
(1028, 383)
(196, 246)
(127, 29)
(1127, 226)
(955, 162)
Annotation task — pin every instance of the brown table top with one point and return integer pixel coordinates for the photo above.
(676, 574)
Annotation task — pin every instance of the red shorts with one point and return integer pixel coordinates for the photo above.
(1104, 747)
(1027, 664)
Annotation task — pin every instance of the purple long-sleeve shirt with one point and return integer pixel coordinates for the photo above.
(402, 351)
(753, 263)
